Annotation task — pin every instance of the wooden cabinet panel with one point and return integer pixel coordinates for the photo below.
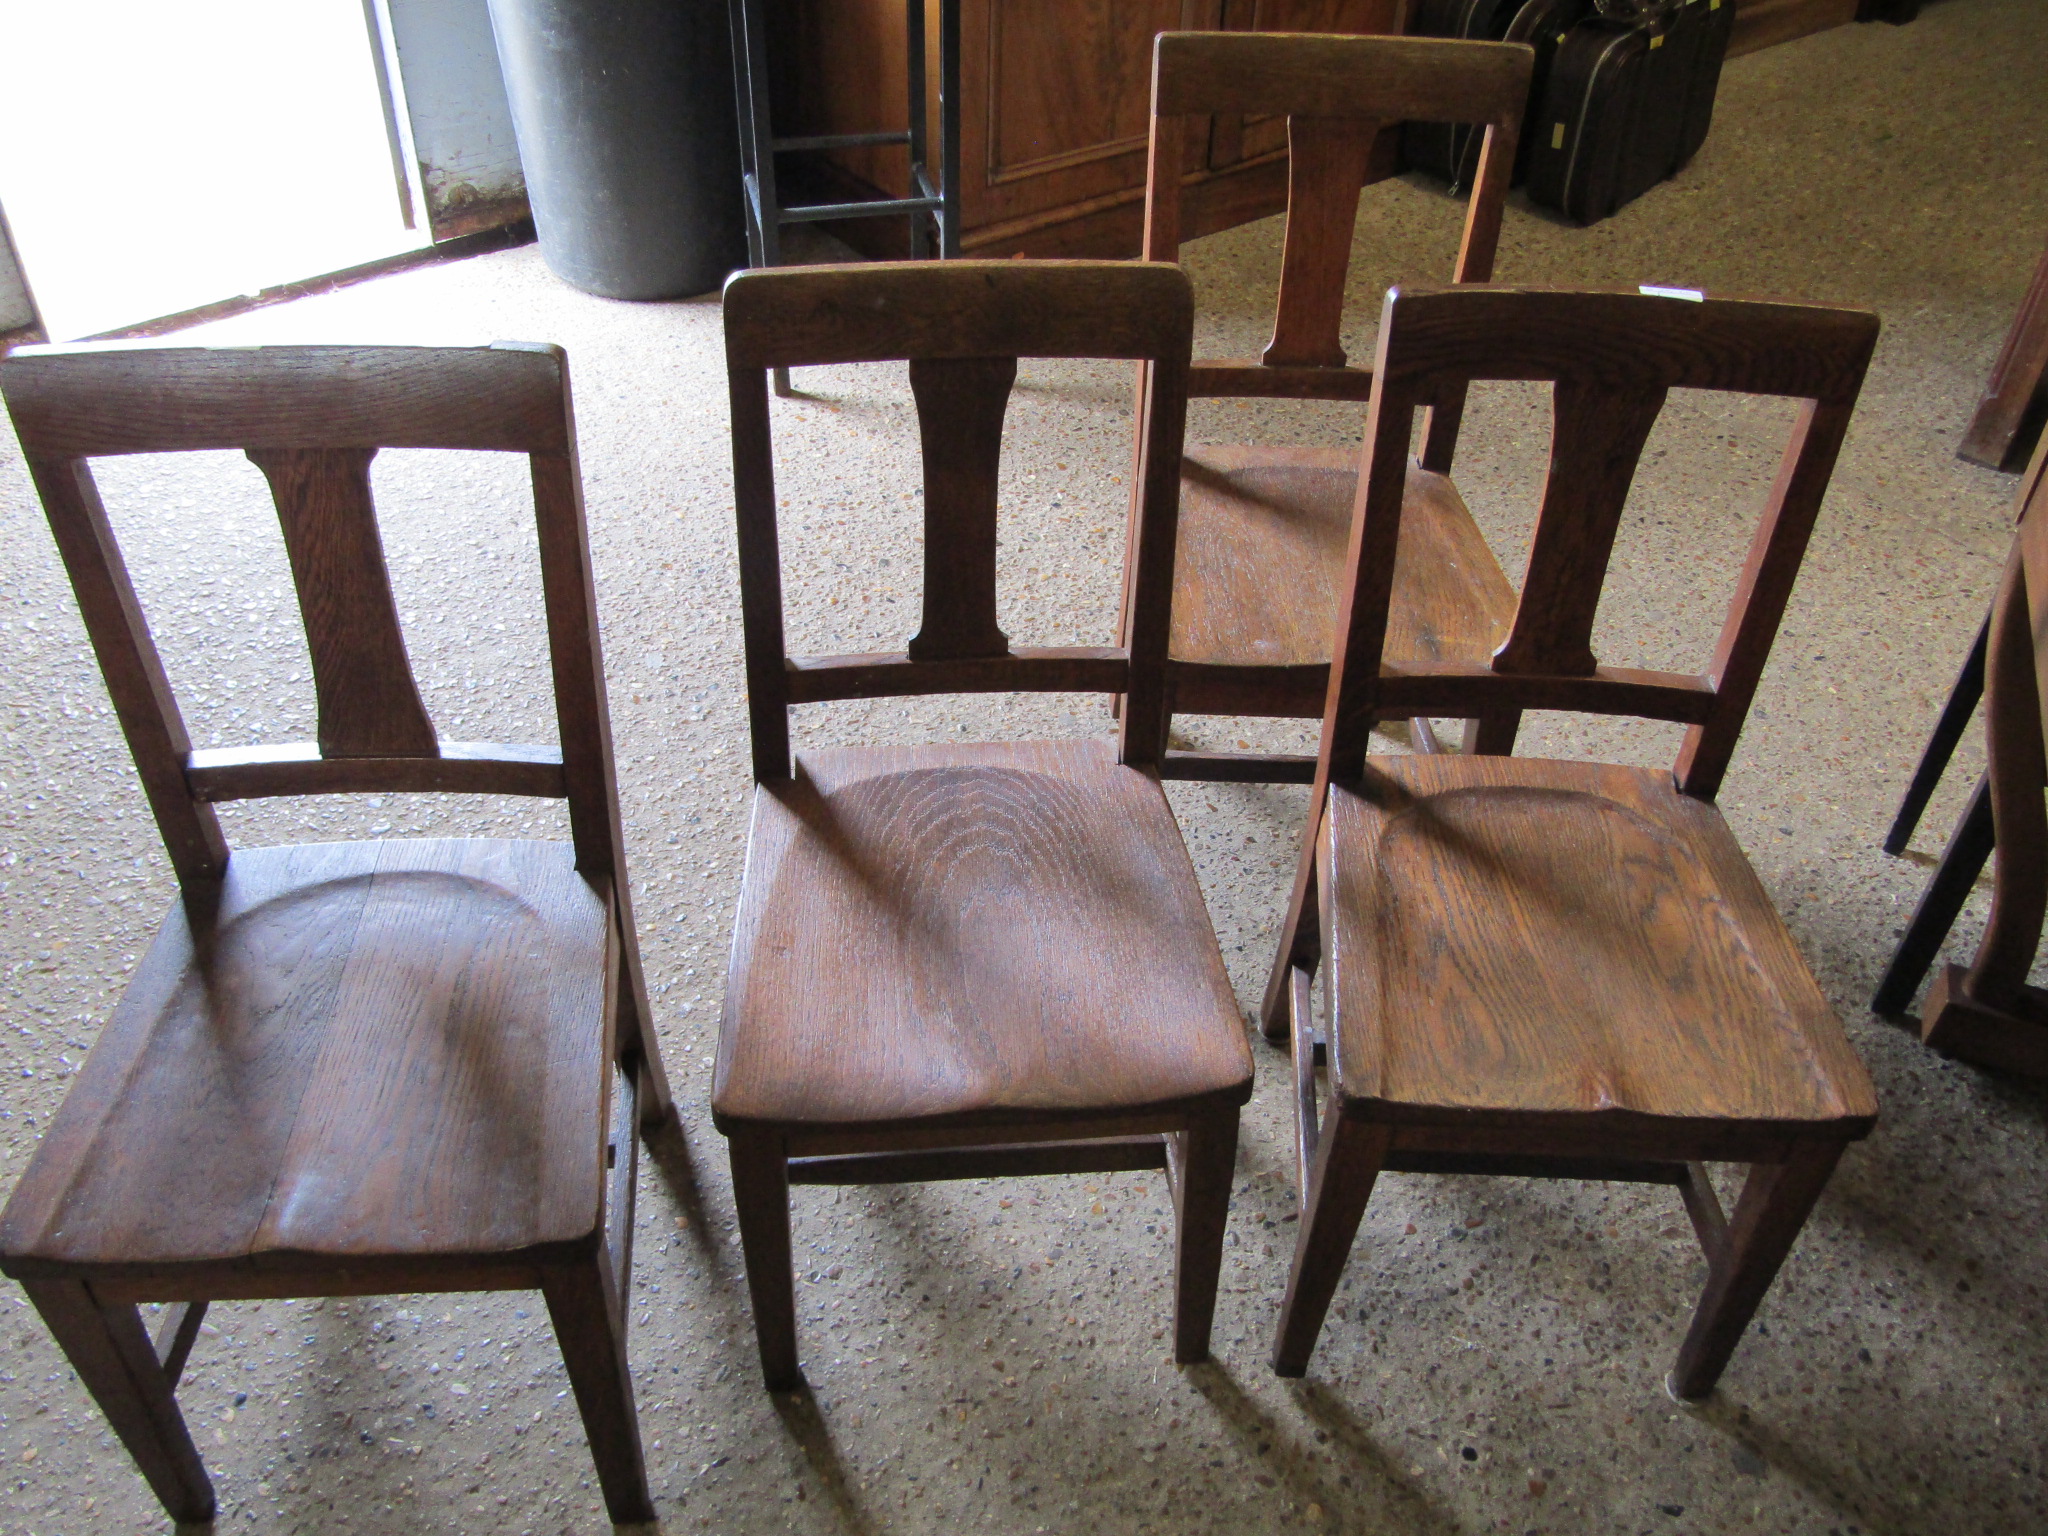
(1069, 95)
(1055, 100)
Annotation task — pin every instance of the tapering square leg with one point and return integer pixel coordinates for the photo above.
(111, 1351)
(1348, 1159)
(1775, 1202)
(584, 1303)
(1204, 1158)
(760, 1188)
(636, 1042)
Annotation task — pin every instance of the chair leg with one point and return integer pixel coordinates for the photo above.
(1969, 846)
(1493, 735)
(111, 1351)
(1348, 1159)
(760, 1188)
(1300, 942)
(1774, 1205)
(1941, 744)
(583, 1300)
(1203, 1159)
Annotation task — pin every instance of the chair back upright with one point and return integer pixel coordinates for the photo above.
(961, 325)
(1337, 93)
(2016, 752)
(1610, 358)
(312, 418)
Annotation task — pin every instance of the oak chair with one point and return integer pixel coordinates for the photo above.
(1261, 551)
(958, 961)
(1985, 1012)
(354, 1067)
(1564, 969)
(1969, 845)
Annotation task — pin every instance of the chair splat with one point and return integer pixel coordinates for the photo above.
(369, 704)
(960, 407)
(1326, 166)
(1596, 442)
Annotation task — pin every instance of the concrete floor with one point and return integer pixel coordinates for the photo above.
(989, 1357)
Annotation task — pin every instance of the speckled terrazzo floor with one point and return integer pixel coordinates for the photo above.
(987, 1356)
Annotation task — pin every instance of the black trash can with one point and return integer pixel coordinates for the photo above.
(624, 113)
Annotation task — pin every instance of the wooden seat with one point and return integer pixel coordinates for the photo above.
(959, 960)
(1564, 969)
(1261, 558)
(265, 1025)
(1263, 530)
(1478, 896)
(355, 1067)
(1025, 931)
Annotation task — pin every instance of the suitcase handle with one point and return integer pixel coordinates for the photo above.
(1638, 13)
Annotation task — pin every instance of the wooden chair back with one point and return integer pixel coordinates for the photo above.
(2016, 748)
(312, 419)
(1337, 93)
(961, 325)
(1610, 359)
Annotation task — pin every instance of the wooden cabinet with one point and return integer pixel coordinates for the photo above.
(1055, 101)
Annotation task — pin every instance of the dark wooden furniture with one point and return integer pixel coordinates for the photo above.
(1564, 969)
(2009, 417)
(353, 1067)
(1767, 23)
(1942, 741)
(1053, 98)
(953, 961)
(1263, 530)
(1985, 1012)
(1053, 114)
(1969, 845)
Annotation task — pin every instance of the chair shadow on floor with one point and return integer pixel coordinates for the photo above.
(669, 1151)
(806, 1424)
(1388, 1499)
(1788, 1453)
(1966, 1272)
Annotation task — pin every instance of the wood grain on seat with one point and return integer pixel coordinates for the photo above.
(1519, 937)
(1260, 560)
(381, 1049)
(1006, 933)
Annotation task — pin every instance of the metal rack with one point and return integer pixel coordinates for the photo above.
(934, 205)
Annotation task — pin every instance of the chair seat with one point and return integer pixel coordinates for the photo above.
(1263, 537)
(369, 1050)
(1574, 942)
(1007, 933)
